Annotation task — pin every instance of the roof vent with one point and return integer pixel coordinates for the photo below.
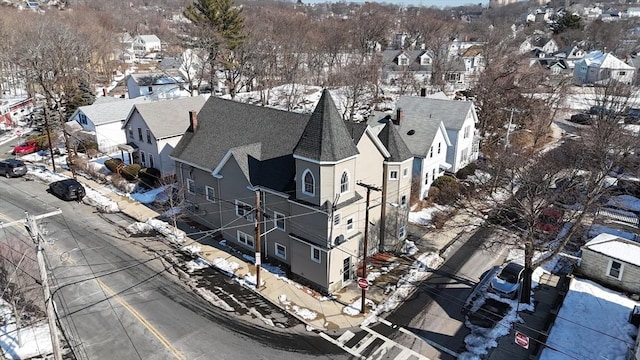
(411, 132)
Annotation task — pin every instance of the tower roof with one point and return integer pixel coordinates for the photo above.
(326, 137)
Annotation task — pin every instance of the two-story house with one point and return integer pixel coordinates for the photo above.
(153, 129)
(440, 133)
(102, 121)
(399, 64)
(304, 174)
(144, 44)
(598, 67)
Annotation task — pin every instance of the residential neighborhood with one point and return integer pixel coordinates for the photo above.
(320, 179)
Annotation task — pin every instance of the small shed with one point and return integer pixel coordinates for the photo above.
(613, 261)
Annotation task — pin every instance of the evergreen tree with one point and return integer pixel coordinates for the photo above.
(220, 30)
(81, 97)
(567, 21)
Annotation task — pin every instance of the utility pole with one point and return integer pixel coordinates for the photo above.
(258, 256)
(366, 239)
(32, 228)
(506, 138)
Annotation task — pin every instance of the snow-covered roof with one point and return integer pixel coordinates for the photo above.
(615, 247)
(149, 38)
(106, 111)
(601, 60)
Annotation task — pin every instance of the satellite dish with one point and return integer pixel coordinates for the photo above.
(339, 240)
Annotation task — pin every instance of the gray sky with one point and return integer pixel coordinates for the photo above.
(440, 3)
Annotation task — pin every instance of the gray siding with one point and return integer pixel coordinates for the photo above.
(595, 266)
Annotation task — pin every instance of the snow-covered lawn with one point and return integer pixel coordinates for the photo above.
(36, 339)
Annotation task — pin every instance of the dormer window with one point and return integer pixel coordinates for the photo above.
(344, 183)
(403, 60)
(309, 183)
(425, 60)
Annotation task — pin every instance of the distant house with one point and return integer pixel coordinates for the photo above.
(144, 44)
(153, 130)
(102, 121)
(569, 54)
(14, 112)
(399, 64)
(157, 85)
(613, 261)
(597, 68)
(538, 46)
(555, 66)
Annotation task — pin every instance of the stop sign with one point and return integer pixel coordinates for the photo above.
(18, 133)
(363, 283)
(522, 340)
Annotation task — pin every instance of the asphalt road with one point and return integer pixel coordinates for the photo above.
(117, 299)
(434, 313)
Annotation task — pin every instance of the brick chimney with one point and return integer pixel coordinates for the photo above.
(398, 116)
(104, 91)
(193, 121)
(423, 92)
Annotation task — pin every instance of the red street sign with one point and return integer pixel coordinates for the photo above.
(363, 283)
(18, 133)
(522, 340)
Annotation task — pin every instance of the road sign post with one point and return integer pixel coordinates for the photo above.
(522, 339)
(363, 283)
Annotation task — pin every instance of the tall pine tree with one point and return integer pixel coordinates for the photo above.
(220, 26)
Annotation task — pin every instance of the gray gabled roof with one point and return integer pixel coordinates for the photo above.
(390, 63)
(394, 143)
(416, 130)
(168, 118)
(451, 112)
(326, 137)
(106, 111)
(224, 125)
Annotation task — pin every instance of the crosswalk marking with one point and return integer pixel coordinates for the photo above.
(384, 348)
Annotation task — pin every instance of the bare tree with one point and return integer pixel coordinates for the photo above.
(20, 281)
(53, 57)
(539, 184)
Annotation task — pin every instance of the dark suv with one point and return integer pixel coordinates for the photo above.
(12, 168)
(68, 189)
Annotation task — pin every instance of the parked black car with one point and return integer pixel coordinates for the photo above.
(582, 119)
(12, 168)
(68, 189)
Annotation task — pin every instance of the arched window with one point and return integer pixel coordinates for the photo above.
(309, 185)
(344, 182)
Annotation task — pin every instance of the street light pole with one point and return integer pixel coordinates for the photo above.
(366, 240)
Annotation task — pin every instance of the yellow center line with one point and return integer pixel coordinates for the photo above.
(142, 320)
(129, 308)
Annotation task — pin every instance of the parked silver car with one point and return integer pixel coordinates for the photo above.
(507, 281)
(12, 168)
